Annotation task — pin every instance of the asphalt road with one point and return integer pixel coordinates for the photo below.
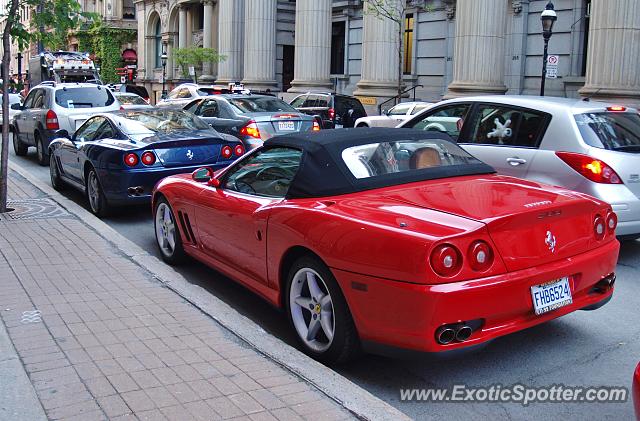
(584, 349)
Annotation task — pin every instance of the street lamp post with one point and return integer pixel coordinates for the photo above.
(548, 18)
(163, 58)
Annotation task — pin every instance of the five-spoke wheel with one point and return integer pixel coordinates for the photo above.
(167, 234)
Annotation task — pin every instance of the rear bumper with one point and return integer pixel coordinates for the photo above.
(406, 316)
(117, 184)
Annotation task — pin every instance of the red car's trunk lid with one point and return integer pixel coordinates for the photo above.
(528, 224)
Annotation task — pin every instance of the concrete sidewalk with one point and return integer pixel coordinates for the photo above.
(102, 338)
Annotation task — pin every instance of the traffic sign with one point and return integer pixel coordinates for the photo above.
(552, 66)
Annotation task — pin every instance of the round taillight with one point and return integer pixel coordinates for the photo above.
(148, 158)
(446, 260)
(480, 256)
(238, 150)
(131, 159)
(226, 152)
(612, 222)
(599, 227)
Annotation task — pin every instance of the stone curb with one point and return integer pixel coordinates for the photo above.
(335, 386)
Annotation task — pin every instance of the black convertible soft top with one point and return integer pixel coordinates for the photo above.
(323, 173)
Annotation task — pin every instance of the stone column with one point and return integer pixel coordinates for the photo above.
(182, 27)
(379, 76)
(260, 44)
(313, 46)
(207, 39)
(478, 62)
(142, 52)
(231, 40)
(613, 67)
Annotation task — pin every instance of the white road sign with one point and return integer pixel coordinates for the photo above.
(552, 66)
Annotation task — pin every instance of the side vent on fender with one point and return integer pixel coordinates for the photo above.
(186, 228)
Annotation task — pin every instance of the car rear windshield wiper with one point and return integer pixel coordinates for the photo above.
(627, 148)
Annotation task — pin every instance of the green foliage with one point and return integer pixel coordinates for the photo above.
(195, 56)
(106, 43)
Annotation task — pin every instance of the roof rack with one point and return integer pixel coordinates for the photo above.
(48, 83)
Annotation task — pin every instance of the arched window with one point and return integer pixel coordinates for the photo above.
(158, 42)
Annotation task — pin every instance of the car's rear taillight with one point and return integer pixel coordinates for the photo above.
(590, 168)
(131, 159)
(251, 130)
(238, 150)
(612, 222)
(226, 152)
(51, 120)
(121, 108)
(599, 227)
(332, 113)
(480, 256)
(148, 158)
(446, 260)
(316, 126)
(617, 108)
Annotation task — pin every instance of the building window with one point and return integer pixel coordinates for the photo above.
(128, 9)
(407, 42)
(337, 47)
(199, 24)
(585, 48)
(158, 43)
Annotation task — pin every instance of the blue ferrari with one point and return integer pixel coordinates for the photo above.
(116, 159)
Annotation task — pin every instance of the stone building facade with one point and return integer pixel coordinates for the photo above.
(452, 47)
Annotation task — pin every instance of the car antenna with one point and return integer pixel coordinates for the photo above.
(588, 98)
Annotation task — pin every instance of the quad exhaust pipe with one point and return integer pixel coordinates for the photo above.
(448, 333)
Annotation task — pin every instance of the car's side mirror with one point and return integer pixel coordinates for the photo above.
(205, 175)
(385, 112)
(62, 133)
(16, 106)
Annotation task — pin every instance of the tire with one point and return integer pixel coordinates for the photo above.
(362, 125)
(335, 340)
(54, 174)
(42, 155)
(95, 196)
(167, 232)
(18, 147)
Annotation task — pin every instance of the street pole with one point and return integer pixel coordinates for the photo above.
(545, 56)
(548, 17)
(163, 58)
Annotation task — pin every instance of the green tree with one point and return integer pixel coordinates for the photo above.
(195, 56)
(50, 25)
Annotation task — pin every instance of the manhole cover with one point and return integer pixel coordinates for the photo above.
(34, 209)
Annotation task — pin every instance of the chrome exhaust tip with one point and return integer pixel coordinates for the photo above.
(445, 335)
(463, 333)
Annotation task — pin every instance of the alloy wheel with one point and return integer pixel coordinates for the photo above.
(93, 192)
(165, 230)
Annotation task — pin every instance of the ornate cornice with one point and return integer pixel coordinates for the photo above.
(517, 5)
(450, 8)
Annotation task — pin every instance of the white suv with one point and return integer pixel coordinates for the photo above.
(184, 93)
(50, 107)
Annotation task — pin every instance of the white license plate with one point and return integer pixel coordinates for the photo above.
(286, 125)
(552, 295)
(79, 123)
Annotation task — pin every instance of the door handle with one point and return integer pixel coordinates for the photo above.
(515, 161)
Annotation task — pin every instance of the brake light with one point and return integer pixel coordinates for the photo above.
(251, 130)
(612, 222)
(238, 150)
(332, 113)
(316, 126)
(617, 108)
(131, 159)
(446, 260)
(480, 256)
(590, 168)
(148, 158)
(52, 120)
(599, 227)
(226, 152)
(121, 108)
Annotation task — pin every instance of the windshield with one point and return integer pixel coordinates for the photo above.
(141, 124)
(614, 131)
(260, 105)
(131, 100)
(84, 97)
(403, 156)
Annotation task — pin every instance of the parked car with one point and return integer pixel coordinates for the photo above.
(184, 93)
(13, 99)
(335, 227)
(51, 107)
(334, 110)
(636, 391)
(135, 89)
(116, 159)
(251, 118)
(131, 101)
(394, 115)
(587, 146)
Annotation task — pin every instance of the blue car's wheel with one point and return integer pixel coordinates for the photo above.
(95, 196)
(56, 181)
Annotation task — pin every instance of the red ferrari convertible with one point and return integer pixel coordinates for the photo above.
(636, 391)
(376, 238)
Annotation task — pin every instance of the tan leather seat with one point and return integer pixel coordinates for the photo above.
(425, 158)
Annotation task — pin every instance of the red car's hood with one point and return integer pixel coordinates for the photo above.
(524, 219)
(636, 391)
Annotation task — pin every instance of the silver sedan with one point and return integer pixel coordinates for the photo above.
(394, 115)
(586, 146)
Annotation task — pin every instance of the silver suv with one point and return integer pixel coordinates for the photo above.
(586, 146)
(184, 93)
(50, 107)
